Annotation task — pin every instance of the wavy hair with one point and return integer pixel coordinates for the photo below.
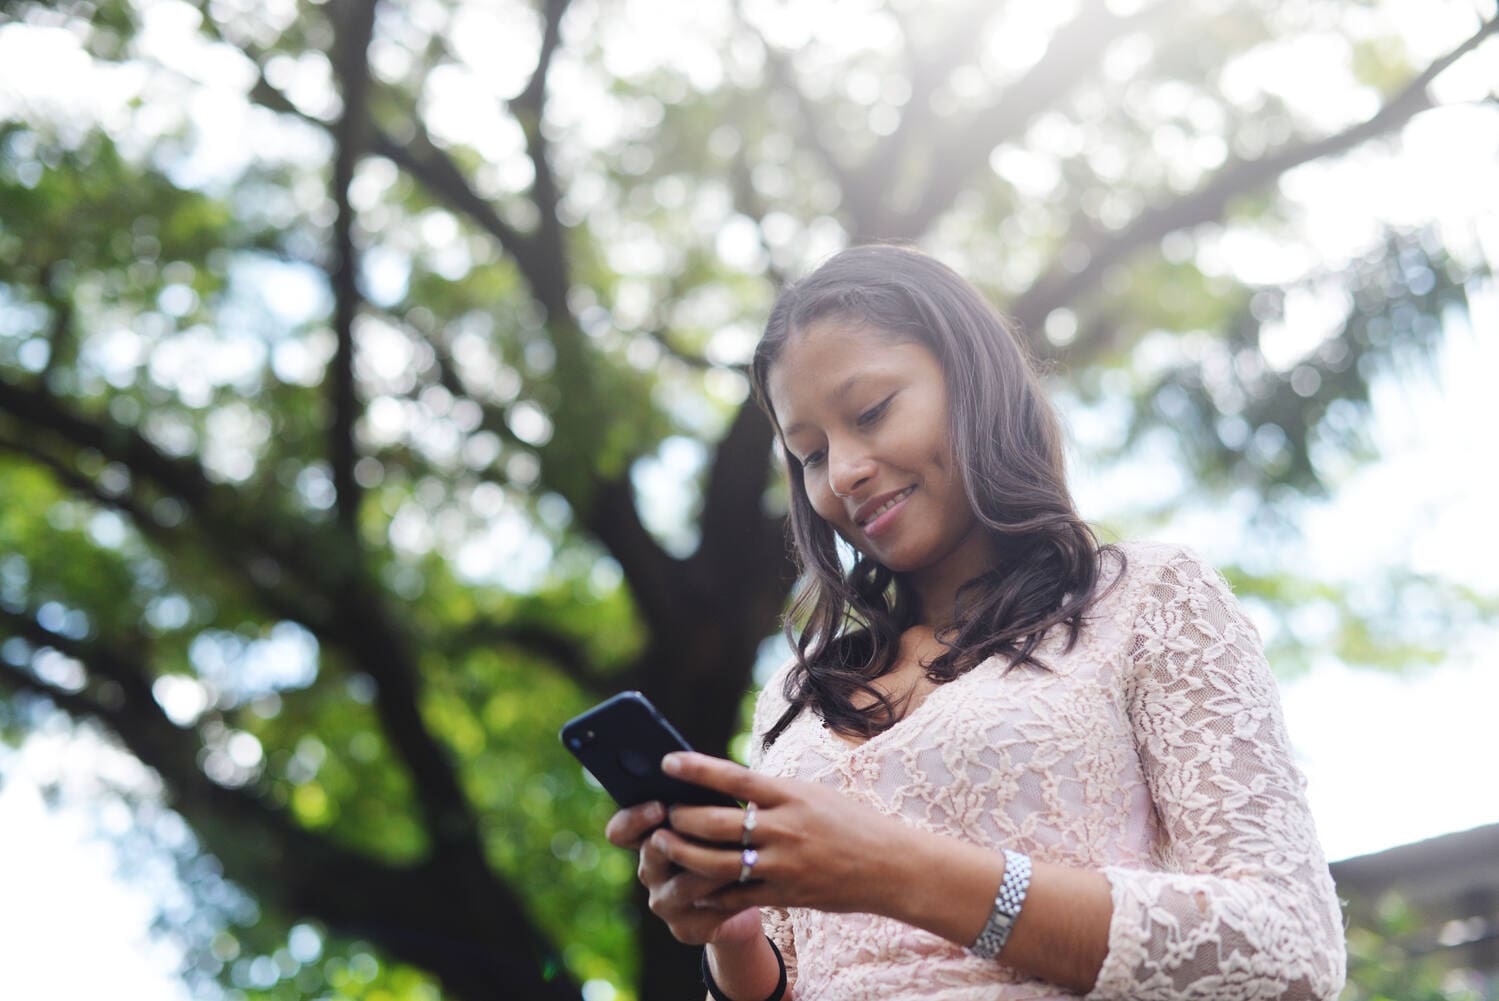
(845, 624)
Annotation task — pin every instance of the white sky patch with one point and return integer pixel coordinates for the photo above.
(1311, 316)
(508, 552)
(499, 43)
(45, 73)
(1444, 174)
(665, 486)
(1398, 759)
(60, 893)
(1436, 484)
(1390, 760)
(62, 900)
(285, 658)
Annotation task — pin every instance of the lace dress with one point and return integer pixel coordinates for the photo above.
(1154, 751)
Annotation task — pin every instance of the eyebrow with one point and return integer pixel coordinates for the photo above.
(841, 391)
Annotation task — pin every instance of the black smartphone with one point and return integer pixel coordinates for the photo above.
(621, 741)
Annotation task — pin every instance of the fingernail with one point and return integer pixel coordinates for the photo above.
(654, 812)
(672, 763)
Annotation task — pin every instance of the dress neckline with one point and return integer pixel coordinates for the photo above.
(849, 748)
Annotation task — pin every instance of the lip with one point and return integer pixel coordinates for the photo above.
(869, 507)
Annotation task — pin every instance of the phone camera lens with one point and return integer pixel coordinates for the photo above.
(575, 743)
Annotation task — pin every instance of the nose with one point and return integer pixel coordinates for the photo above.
(848, 468)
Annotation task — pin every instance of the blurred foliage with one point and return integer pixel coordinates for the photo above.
(1383, 966)
(558, 288)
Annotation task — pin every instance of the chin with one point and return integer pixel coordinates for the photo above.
(897, 562)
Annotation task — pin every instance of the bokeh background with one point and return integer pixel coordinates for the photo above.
(372, 401)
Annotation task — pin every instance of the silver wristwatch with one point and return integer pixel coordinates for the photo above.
(1007, 903)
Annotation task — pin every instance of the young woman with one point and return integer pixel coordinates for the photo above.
(1006, 762)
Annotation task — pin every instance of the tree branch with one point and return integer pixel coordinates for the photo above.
(534, 94)
(1060, 286)
(556, 648)
(619, 531)
(965, 148)
(542, 264)
(353, 24)
(564, 653)
(355, 619)
(426, 163)
(435, 170)
(249, 565)
(658, 334)
(529, 108)
(73, 480)
(447, 912)
(40, 409)
(136, 718)
(354, 622)
(870, 184)
(783, 76)
(60, 336)
(655, 576)
(747, 201)
(732, 499)
(224, 518)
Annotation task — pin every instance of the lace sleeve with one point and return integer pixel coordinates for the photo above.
(776, 920)
(1251, 911)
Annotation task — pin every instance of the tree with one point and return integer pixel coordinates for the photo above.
(254, 539)
(1385, 964)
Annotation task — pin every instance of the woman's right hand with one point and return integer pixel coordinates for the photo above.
(674, 891)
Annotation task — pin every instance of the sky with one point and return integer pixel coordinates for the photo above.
(1389, 759)
(59, 888)
(1397, 758)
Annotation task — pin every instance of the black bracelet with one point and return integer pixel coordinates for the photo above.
(719, 995)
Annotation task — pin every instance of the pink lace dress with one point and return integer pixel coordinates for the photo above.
(1154, 750)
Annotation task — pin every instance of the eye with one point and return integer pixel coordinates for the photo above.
(872, 416)
(812, 459)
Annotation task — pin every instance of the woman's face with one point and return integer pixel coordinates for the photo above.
(866, 416)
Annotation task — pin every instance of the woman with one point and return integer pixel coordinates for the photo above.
(1005, 762)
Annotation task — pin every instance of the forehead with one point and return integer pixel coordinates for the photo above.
(826, 359)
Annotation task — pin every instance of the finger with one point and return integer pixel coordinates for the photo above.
(683, 891)
(737, 896)
(725, 776)
(720, 824)
(677, 902)
(655, 866)
(721, 864)
(689, 923)
(628, 827)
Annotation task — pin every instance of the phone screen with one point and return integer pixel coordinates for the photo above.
(621, 742)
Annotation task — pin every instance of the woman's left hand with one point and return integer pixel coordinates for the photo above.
(817, 848)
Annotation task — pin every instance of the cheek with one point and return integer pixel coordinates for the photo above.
(828, 507)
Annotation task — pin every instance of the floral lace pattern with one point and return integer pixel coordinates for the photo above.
(1153, 750)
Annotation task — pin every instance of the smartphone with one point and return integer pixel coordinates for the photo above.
(621, 742)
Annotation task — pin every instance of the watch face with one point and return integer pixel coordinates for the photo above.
(1007, 904)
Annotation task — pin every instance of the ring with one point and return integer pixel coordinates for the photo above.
(747, 860)
(749, 826)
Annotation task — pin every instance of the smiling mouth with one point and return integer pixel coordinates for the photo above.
(887, 505)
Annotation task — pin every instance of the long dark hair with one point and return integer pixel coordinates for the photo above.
(846, 625)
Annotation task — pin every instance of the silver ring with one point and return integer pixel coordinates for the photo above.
(747, 860)
(749, 825)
